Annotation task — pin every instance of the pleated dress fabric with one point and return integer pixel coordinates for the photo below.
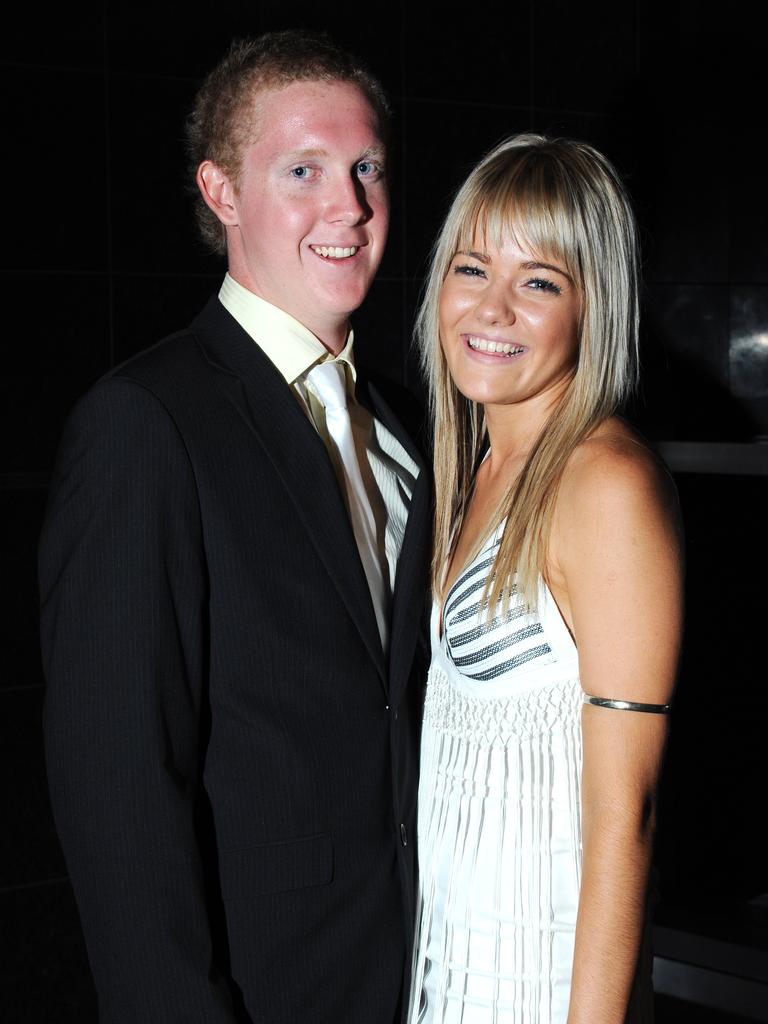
(499, 813)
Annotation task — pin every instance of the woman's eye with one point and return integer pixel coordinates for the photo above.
(541, 284)
(300, 172)
(469, 270)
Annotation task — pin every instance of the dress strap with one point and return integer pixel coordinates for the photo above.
(628, 705)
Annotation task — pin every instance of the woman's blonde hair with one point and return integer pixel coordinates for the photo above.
(560, 200)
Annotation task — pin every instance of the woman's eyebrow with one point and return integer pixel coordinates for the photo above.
(539, 265)
(525, 265)
(481, 256)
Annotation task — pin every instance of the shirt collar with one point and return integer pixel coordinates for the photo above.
(288, 344)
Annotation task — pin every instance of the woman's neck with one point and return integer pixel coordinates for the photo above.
(514, 429)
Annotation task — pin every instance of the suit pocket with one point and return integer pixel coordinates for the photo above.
(276, 867)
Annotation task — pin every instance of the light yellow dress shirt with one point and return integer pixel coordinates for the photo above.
(389, 473)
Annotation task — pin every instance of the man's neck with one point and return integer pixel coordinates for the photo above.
(332, 335)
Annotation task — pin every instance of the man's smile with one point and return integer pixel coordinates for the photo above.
(335, 252)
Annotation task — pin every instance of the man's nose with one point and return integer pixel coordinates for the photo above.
(347, 203)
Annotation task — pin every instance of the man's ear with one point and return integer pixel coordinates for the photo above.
(217, 190)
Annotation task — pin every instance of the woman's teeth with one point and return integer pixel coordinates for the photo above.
(502, 348)
(334, 252)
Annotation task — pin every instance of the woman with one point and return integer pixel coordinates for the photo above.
(557, 604)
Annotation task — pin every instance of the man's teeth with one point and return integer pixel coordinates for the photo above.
(503, 348)
(335, 252)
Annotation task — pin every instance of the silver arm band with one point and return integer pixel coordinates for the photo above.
(628, 705)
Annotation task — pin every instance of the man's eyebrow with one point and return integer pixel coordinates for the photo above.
(374, 150)
(302, 154)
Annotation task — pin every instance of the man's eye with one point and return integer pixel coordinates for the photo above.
(300, 172)
(367, 169)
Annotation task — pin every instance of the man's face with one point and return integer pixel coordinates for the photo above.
(311, 208)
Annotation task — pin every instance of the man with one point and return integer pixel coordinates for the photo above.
(231, 601)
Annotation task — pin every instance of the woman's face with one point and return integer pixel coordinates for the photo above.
(509, 324)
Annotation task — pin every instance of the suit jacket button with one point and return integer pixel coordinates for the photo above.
(403, 835)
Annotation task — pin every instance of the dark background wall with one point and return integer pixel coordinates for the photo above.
(101, 259)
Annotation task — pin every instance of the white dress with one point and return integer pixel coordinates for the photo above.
(499, 814)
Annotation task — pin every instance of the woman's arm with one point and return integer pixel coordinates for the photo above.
(617, 574)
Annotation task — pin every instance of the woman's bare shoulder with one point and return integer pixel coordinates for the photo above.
(614, 472)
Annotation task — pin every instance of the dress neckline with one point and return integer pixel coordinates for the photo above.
(441, 602)
(548, 611)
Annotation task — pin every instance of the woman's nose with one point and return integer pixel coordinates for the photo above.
(496, 306)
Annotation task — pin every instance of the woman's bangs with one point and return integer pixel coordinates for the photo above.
(518, 208)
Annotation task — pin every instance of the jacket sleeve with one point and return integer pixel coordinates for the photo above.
(124, 640)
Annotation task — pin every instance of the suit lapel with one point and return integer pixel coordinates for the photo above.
(261, 397)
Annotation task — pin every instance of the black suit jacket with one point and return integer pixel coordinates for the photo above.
(231, 761)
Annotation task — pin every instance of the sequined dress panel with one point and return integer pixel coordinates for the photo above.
(499, 813)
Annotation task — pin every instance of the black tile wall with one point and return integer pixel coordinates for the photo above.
(687, 231)
(73, 37)
(168, 46)
(717, 761)
(44, 972)
(582, 55)
(483, 60)
(58, 345)
(147, 307)
(55, 209)
(414, 378)
(21, 513)
(32, 413)
(393, 263)
(442, 143)
(61, 323)
(151, 213)
(691, 322)
(686, 384)
(748, 353)
(667, 1010)
(376, 35)
(30, 851)
(745, 186)
(378, 329)
(687, 141)
(102, 259)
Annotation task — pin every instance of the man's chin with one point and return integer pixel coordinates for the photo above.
(342, 304)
